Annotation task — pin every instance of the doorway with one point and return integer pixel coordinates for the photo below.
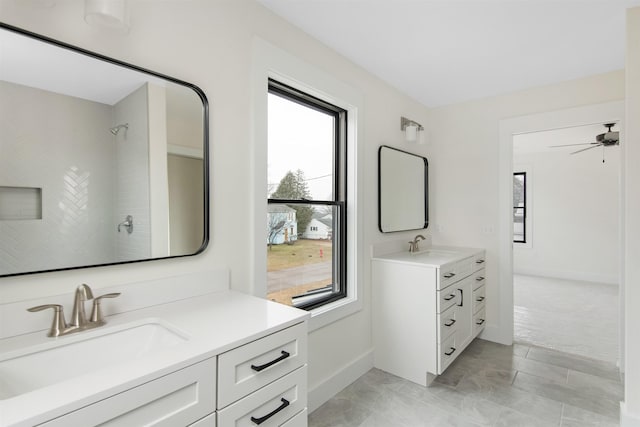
(566, 249)
(579, 116)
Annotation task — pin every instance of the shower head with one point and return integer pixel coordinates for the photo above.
(114, 130)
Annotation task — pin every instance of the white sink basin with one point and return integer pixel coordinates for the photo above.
(78, 354)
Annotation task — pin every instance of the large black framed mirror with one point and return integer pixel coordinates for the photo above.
(403, 190)
(101, 162)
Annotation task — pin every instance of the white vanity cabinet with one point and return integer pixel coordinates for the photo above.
(426, 309)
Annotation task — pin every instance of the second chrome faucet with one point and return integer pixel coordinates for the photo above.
(79, 321)
(413, 245)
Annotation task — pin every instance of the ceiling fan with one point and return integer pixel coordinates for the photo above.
(605, 139)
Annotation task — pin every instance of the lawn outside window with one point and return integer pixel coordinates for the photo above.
(307, 200)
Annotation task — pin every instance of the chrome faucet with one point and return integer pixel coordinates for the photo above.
(79, 320)
(78, 315)
(413, 245)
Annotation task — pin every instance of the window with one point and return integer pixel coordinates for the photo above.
(305, 269)
(520, 207)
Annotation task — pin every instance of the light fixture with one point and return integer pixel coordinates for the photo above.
(107, 13)
(423, 138)
(413, 131)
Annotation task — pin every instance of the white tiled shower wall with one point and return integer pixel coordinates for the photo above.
(49, 142)
(132, 176)
(62, 145)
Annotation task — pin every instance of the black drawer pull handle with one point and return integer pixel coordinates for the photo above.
(273, 362)
(453, 350)
(450, 323)
(450, 297)
(480, 322)
(479, 279)
(260, 420)
(480, 299)
(480, 261)
(449, 275)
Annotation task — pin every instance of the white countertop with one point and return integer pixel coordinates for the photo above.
(213, 323)
(432, 256)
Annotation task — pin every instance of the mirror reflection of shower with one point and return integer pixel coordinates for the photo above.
(114, 130)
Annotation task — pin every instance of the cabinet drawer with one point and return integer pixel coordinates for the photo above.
(447, 323)
(245, 369)
(299, 420)
(479, 321)
(177, 399)
(275, 403)
(447, 351)
(446, 298)
(479, 261)
(447, 274)
(479, 279)
(478, 298)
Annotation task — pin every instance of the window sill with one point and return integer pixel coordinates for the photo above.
(332, 312)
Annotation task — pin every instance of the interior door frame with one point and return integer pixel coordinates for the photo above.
(580, 116)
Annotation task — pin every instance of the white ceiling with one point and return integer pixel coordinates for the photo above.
(29, 62)
(448, 51)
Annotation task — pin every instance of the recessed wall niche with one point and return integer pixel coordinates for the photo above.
(20, 203)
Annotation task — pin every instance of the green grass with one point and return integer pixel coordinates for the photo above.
(280, 257)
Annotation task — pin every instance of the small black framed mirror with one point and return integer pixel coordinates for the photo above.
(403, 190)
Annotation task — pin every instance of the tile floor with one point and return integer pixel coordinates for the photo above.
(487, 385)
(554, 313)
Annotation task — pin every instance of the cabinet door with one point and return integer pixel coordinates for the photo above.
(464, 318)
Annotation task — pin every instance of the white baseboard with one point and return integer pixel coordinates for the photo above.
(495, 334)
(338, 381)
(567, 275)
(627, 419)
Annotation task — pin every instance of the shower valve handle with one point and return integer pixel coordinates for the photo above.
(127, 223)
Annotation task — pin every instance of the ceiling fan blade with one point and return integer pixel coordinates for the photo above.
(585, 149)
(570, 145)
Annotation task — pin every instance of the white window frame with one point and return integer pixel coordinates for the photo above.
(272, 62)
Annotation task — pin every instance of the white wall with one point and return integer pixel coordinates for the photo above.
(131, 176)
(185, 204)
(158, 179)
(631, 408)
(184, 117)
(38, 149)
(574, 213)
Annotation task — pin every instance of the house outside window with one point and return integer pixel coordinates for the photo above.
(308, 269)
(520, 207)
